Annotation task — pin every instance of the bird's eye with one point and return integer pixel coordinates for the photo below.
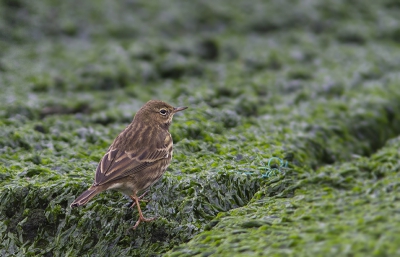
(163, 112)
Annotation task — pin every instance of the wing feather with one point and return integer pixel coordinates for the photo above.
(117, 164)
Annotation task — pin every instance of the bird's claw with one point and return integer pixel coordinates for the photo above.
(142, 219)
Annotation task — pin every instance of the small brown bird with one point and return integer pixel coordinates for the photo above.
(138, 157)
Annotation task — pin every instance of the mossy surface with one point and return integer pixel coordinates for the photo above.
(313, 83)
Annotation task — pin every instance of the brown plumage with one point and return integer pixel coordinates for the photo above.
(138, 157)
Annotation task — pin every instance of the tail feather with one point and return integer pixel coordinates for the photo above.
(85, 197)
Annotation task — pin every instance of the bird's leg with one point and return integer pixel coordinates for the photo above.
(140, 199)
(141, 217)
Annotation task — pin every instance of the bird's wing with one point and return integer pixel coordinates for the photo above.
(117, 164)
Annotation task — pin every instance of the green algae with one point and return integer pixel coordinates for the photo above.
(314, 84)
(349, 208)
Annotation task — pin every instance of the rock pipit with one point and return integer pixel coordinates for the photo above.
(138, 157)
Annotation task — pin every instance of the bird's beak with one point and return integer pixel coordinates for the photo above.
(178, 109)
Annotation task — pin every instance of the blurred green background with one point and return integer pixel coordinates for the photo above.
(314, 83)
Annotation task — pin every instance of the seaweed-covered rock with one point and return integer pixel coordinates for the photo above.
(289, 145)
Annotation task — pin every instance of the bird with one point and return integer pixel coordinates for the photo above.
(137, 158)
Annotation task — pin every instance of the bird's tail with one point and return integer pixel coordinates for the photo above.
(85, 197)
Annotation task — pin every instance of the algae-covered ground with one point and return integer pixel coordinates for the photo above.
(315, 84)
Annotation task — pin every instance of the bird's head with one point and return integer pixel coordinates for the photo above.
(156, 112)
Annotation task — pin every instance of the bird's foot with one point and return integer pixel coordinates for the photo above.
(142, 219)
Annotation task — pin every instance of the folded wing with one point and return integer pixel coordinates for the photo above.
(117, 164)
